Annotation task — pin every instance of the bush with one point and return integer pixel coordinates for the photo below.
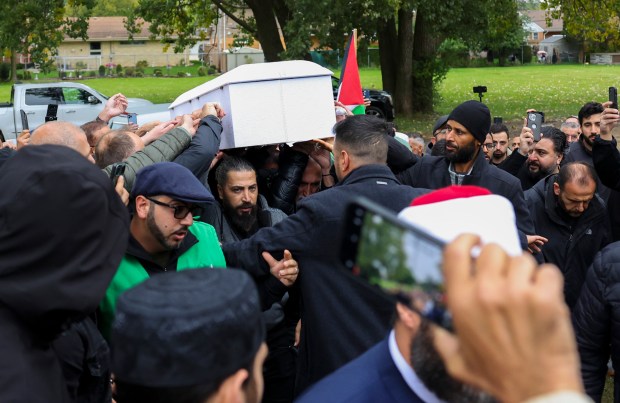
(181, 74)
(142, 64)
(5, 71)
(120, 74)
(202, 71)
(158, 73)
(62, 74)
(101, 71)
(139, 74)
(119, 69)
(130, 71)
(140, 70)
(20, 76)
(92, 74)
(211, 71)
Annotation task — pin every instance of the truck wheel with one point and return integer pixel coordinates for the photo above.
(374, 111)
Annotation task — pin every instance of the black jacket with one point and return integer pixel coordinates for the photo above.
(205, 144)
(342, 316)
(596, 319)
(63, 232)
(572, 243)
(606, 160)
(432, 173)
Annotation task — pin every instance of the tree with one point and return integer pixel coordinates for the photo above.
(103, 8)
(505, 29)
(597, 24)
(37, 27)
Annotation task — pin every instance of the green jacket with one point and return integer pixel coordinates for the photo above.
(205, 253)
(166, 148)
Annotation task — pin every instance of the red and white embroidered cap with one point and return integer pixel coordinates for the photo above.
(451, 211)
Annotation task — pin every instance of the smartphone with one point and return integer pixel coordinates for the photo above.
(52, 112)
(401, 259)
(534, 122)
(118, 169)
(132, 118)
(366, 94)
(24, 119)
(613, 97)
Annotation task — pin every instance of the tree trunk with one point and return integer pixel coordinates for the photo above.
(387, 53)
(267, 28)
(424, 54)
(395, 50)
(13, 65)
(403, 94)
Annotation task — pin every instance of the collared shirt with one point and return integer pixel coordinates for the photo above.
(408, 374)
(457, 178)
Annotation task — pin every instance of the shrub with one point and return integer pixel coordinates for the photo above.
(20, 76)
(140, 70)
(62, 74)
(121, 74)
(211, 71)
(158, 73)
(139, 74)
(142, 64)
(119, 69)
(130, 71)
(181, 74)
(5, 71)
(101, 70)
(92, 74)
(202, 71)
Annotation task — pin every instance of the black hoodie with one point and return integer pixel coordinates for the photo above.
(63, 232)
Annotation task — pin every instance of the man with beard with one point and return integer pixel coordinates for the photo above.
(590, 122)
(500, 135)
(242, 210)
(464, 163)
(544, 157)
(164, 236)
(567, 212)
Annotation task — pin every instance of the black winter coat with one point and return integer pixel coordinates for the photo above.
(572, 245)
(596, 319)
(342, 316)
(606, 160)
(432, 173)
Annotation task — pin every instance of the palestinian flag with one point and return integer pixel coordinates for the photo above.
(349, 87)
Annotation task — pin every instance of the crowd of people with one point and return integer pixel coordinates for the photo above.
(147, 265)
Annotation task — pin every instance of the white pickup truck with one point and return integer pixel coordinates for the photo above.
(76, 102)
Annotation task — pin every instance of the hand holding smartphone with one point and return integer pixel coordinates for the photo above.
(613, 97)
(401, 259)
(534, 122)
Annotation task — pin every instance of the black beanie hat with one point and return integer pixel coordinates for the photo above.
(187, 328)
(475, 116)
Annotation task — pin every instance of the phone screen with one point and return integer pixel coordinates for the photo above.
(132, 118)
(398, 258)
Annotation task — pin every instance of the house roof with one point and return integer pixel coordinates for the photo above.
(553, 39)
(532, 27)
(111, 29)
(539, 17)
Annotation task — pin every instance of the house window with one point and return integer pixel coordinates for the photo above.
(95, 48)
(125, 43)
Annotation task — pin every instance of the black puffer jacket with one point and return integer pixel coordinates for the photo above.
(63, 232)
(432, 173)
(572, 244)
(596, 319)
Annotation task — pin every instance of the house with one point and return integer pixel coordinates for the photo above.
(537, 27)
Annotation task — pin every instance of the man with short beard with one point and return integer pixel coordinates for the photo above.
(464, 163)
(590, 121)
(544, 157)
(568, 212)
(500, 134)
(164, 236)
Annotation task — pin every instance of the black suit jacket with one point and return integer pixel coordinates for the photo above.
(372, 377)
(342, 316)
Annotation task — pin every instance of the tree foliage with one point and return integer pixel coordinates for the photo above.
(37, 27)
(597, 24)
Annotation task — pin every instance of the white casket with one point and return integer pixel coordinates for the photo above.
(268, 103)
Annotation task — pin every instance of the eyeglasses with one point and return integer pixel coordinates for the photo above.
(489, 146)
(180, 211)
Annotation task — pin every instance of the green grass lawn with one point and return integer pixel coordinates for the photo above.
(558, 90)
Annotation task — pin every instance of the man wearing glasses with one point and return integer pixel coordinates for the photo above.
(164, 236)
